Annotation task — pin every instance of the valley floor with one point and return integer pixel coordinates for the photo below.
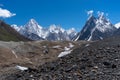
(41, 60)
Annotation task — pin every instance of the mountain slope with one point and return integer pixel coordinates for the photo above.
(9, 34)
(96, 29)
(87, 29)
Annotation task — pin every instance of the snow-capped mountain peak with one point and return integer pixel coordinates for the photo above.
(90, 14)
(33, 27)
(56, 29)
(34, 31)
(103, 24)
(100, 15)
(33, 23)
(96, 28)
(117, 25)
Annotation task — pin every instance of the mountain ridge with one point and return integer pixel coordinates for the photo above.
(96, 28)
(53, 33)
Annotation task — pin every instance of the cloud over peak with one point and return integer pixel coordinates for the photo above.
(4, 13)
(90, 12)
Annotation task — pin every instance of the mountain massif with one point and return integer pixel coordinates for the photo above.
(34, 31)
(97, 29)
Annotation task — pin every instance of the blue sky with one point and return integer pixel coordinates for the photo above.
(66, 13)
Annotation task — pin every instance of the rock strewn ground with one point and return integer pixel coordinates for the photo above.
(29, 54)
(98, 61)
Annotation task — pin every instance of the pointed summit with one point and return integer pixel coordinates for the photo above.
(87, 29)
(32, 21)
(96, 28)
(33, 24)
(90, 14)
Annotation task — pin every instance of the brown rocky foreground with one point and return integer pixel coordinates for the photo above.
(30, 54)
(98, 60)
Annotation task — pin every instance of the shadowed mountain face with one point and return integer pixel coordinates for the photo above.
(87, 29)
(117, 32)
(96, 29)
(9, 34)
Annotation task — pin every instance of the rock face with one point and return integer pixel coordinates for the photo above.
(117, 32)
(97, 61)
(96, 29)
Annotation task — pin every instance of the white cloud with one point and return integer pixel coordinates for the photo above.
(4, 13)
(90, 12)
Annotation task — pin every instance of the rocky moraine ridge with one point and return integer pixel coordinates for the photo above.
(98, 60)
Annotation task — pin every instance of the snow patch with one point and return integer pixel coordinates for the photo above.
(64, 53)
(58, 46)
(77, 38)
(87, 45)
(91, 34)
(90, 13)
(21, 68)
(66, 48)
(101, 38)
(71, 45)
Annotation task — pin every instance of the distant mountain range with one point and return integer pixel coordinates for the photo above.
(34, 31)
(9, 34)
(95, 28)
